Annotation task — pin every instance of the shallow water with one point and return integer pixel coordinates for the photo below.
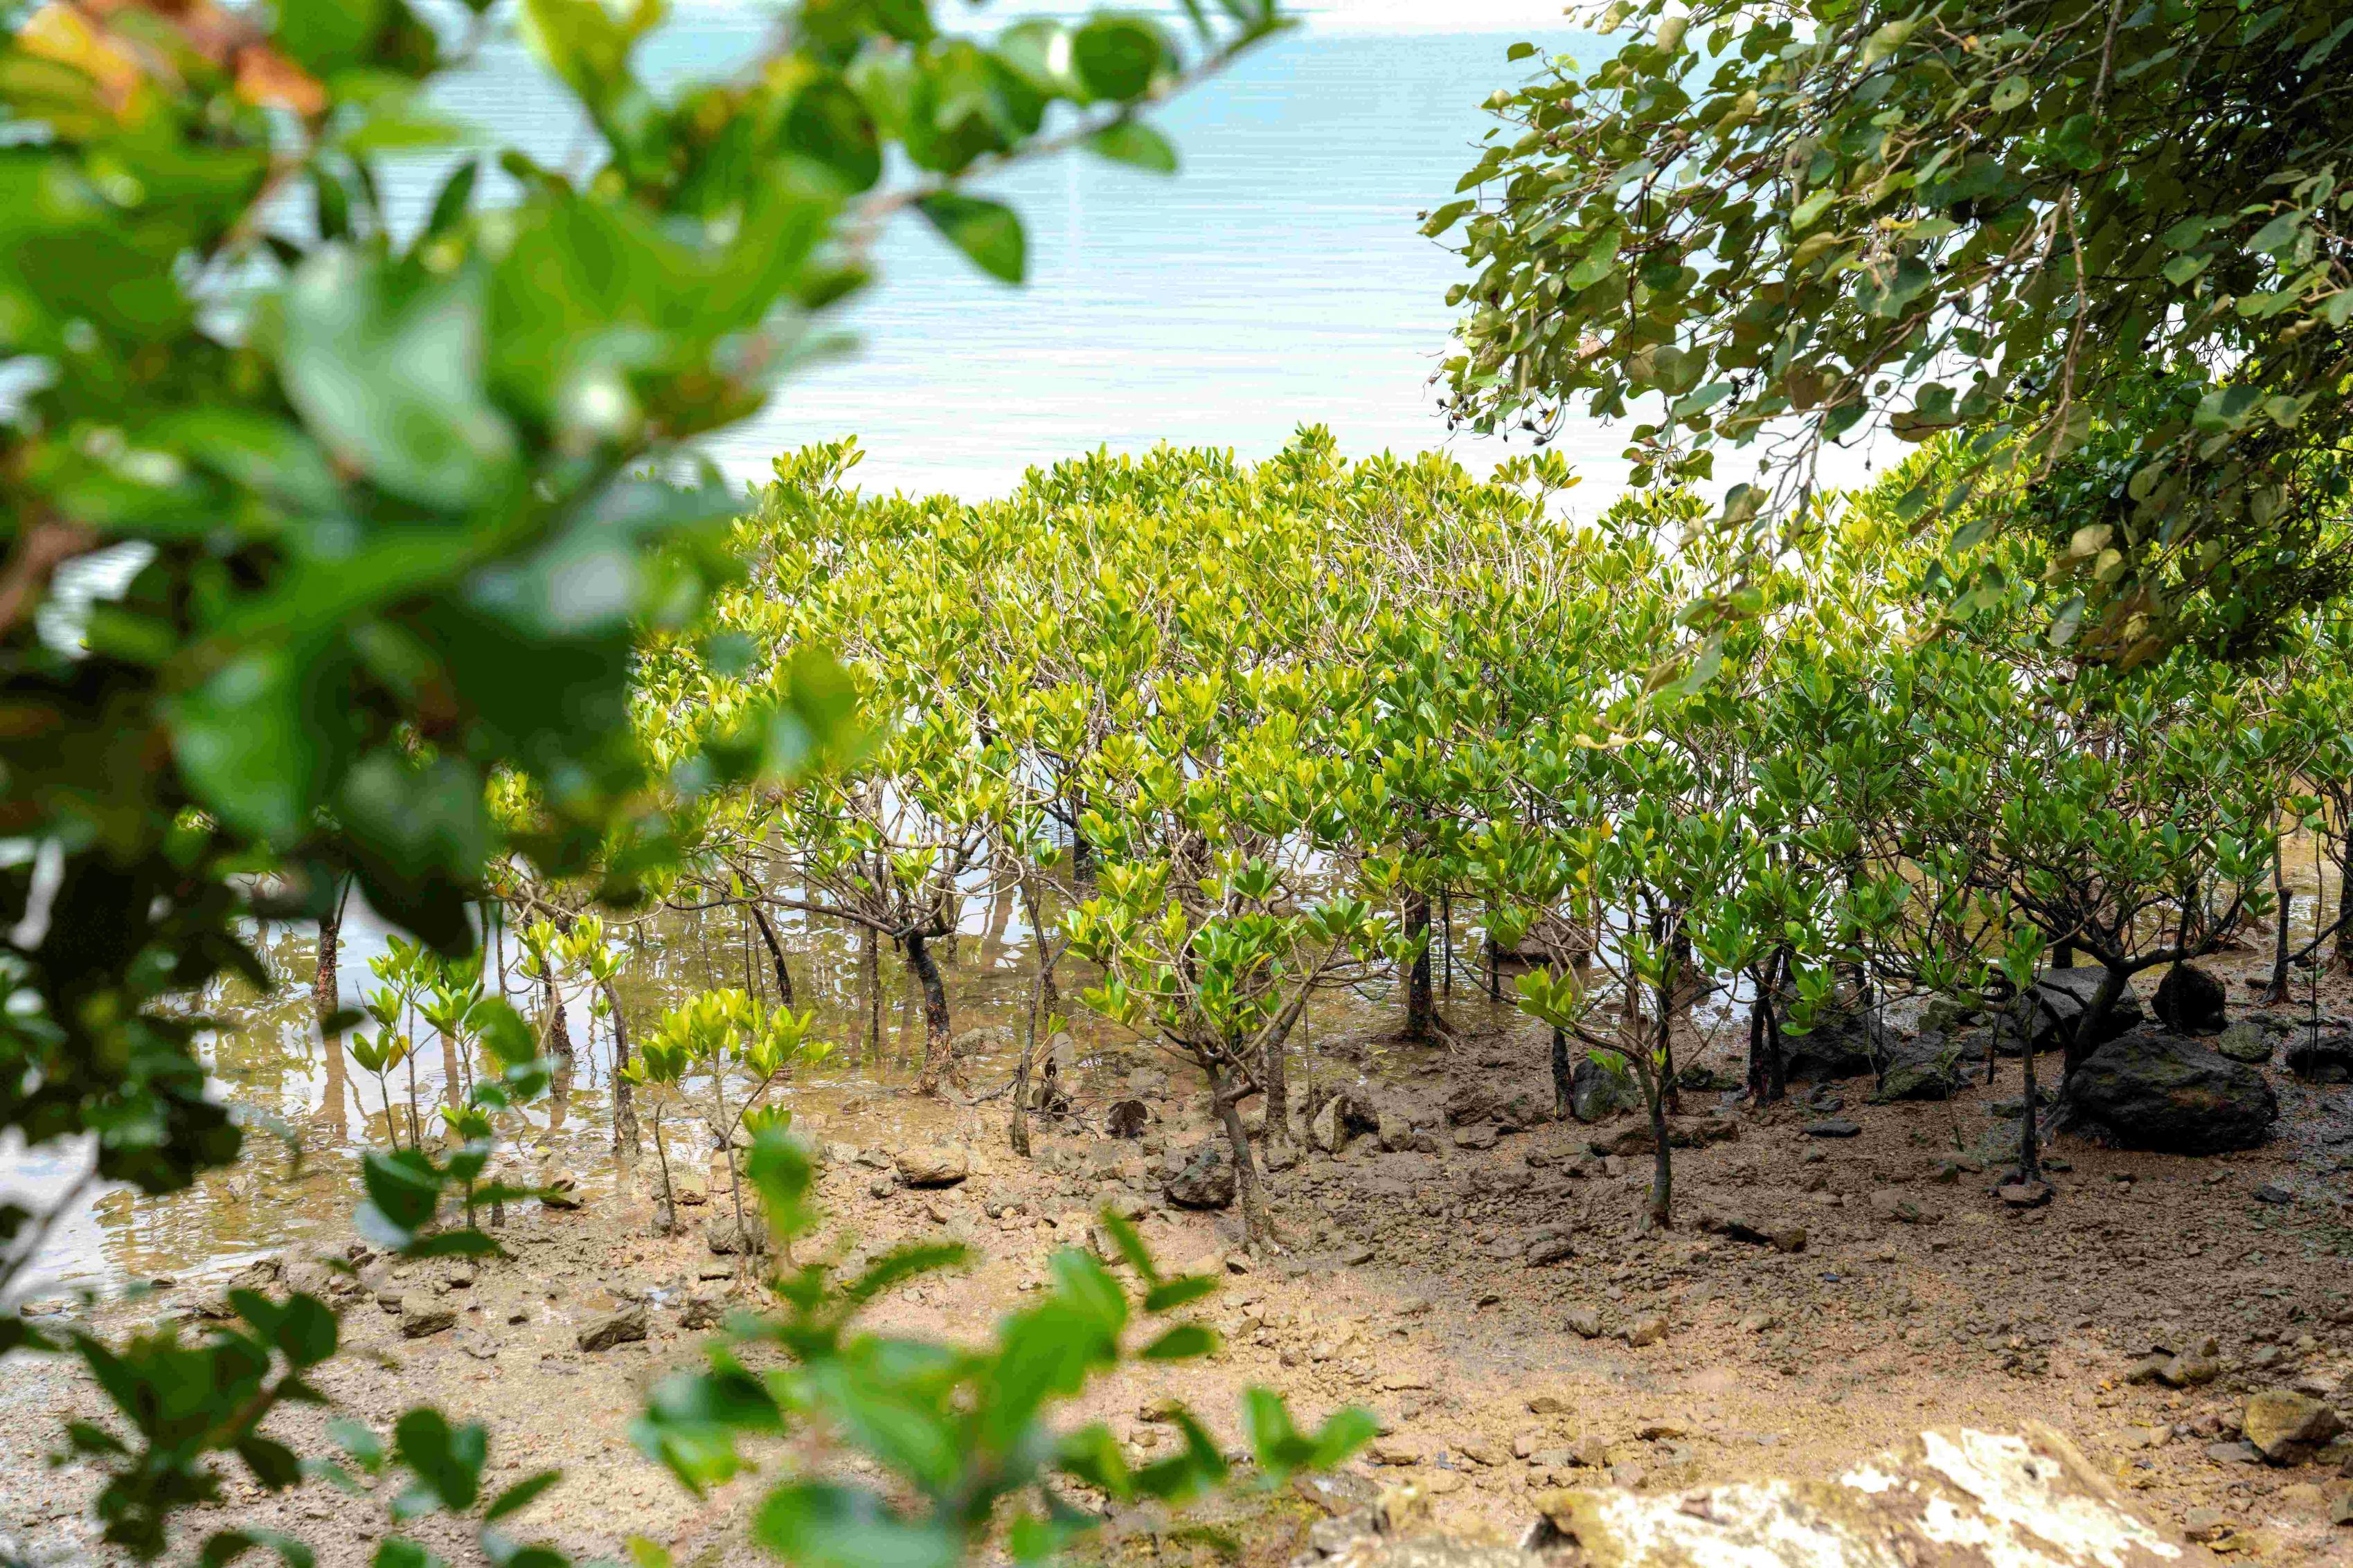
(311, 1113)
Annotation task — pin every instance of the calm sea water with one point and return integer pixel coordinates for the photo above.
(1277, 279)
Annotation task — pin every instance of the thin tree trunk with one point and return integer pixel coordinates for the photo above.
(2342, 950)
(666, 1196)
(625, 1103)
(1256, 1228)
(553, 1026)
(2030, 1140)
(2275, 994)
(1446, 931)
(2094, 1016)
(326, 990)
(1663, 1171)
(935, 1014)
(1420, 1005)
(775, 954)
(870, 963)
(1563, 1079)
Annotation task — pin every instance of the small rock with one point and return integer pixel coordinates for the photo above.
(621, 1327)
(1890, 1205)
(2272, 1192)
(2234, 1453)
(727, 1236)
(1479, 1135)
(1553, 1404)
(1551, 1249)
(2245, 1042)
(1832, 1127)
(423, 1313)
(1584, 1321)
(1404, 1448)
(1357, 1256)
(700, 1312)
(2286, 1426)
(1205, 1180)
(2024, 1195)
(932, 1166)
(1759, 1322)
(1645, 1331)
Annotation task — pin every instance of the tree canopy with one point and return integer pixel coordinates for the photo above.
(2104, 242)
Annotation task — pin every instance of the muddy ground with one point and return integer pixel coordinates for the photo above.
(1482, 1301)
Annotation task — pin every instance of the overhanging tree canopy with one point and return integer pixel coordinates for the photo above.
(2105, 240)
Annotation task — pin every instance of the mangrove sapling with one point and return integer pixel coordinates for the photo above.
(726, 1034)
(378, 1056)
(1216, 963)
(655, 1072)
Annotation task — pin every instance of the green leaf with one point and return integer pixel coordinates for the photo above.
(446, 1460)
(2007, 94)
(1133, 143)
(1519, 51)
(988, 233)
(1185, 1342)
(1172, 1294)
(390, 378)
(813, 1526)
(1116, 56)
(520, 1496)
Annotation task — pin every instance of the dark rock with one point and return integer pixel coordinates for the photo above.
(622, 1326)
(2272, 1192)
(2060, 998)
(1779, 1237)
(1926, 1066)
(1205, 1180)
(2328, 1058)
(1595, 1093)
(1550, 1250)
(1839, 1045)
(1704, 1079)
(1127, 1119)
(2189, 1001)
(2149, 1089)
(1832, 1127)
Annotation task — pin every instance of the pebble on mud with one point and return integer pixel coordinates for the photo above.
(622, 1326)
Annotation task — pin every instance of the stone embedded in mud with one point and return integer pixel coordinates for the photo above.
(1584, 1321)
(932, 1165)
(1832, 1127)
(700, 1312)
(2149, 1089)
(1595, 1093)
(423, 1313)
(2288, 1427)
(2246, 1042)
(1927, 1067)
(1478, 1135)
(729, 1237)
(1645, 1331)
(1549, 1249)
(1779, 1237)
(1888, 1204)
(1325, 1129)
(624, 1325)
(2326, 1058)
(1204, 1181)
